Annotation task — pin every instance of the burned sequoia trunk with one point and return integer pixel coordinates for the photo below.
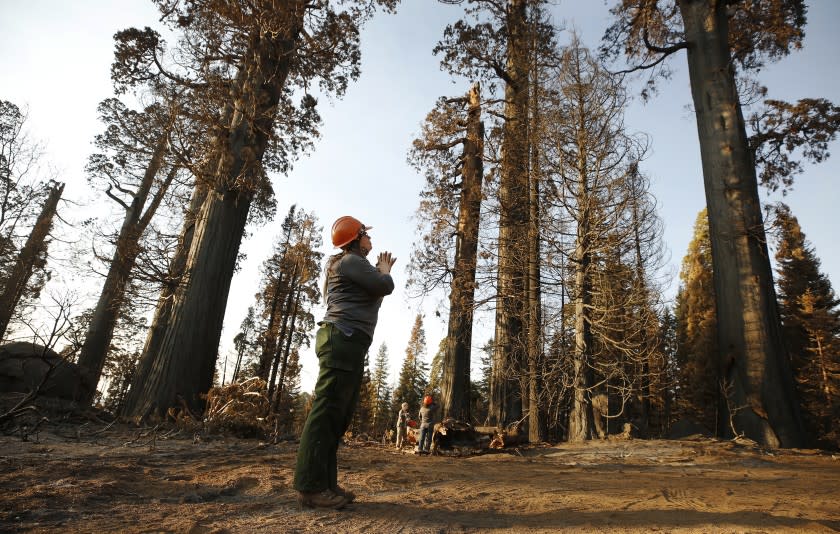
(754, 371)
(184, 363)
(456, 360)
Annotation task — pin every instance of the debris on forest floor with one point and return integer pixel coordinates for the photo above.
(92, 477)
(240, 408)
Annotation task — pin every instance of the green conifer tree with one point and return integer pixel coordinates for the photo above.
(413, 381)
(810, 313)
(380, 393)
(696, 353)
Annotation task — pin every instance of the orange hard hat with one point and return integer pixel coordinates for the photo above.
(347, 229)
(427, 400)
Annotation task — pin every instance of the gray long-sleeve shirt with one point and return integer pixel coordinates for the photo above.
(427, 416)
(355, 289)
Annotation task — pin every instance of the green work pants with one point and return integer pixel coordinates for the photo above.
(341, 359)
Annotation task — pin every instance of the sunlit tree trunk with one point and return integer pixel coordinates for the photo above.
(456, 360)
(29, 255)
(753, 362)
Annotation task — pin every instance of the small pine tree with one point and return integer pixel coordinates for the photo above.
(665, 381)
(697, 331)
(413, 381)
(380, 393)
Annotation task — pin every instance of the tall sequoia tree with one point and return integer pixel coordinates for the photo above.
(725, 39)
(810, 313)
(135, 168)
(498, 48)
(451, 208)
(245, 61)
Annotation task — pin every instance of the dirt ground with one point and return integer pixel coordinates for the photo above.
(91, 478)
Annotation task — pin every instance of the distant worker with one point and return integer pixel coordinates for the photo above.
(427, 424)
(402, 425)
(353, 290)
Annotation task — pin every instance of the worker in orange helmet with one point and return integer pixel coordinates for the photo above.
(427, 424)
(353, 291)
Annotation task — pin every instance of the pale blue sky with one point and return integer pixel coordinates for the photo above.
(56, 58)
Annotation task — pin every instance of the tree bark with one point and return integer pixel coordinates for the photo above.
(580, 416)
(456, 359)
(286, 314)
(754, 365)
(35, 246)
(510, 344)
(186, 359)
(101, 328)
(163, 310)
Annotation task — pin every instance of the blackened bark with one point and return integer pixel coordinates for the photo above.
(456, 360)
(163, 310)
(34, 248)
(101, 328)
(509, 351)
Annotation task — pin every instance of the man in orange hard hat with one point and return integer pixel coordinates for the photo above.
(353, 290)
(427, 424)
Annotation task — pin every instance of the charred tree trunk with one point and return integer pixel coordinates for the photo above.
(269, 338)
(286, 313)
(509, 353)
(284, 359)
(34, 248)
(163, 310)
(535, 330)
(456, 359)
(754, 368)
(184, 364)
(101, 328)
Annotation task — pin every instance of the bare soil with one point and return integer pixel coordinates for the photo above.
(91, 478)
